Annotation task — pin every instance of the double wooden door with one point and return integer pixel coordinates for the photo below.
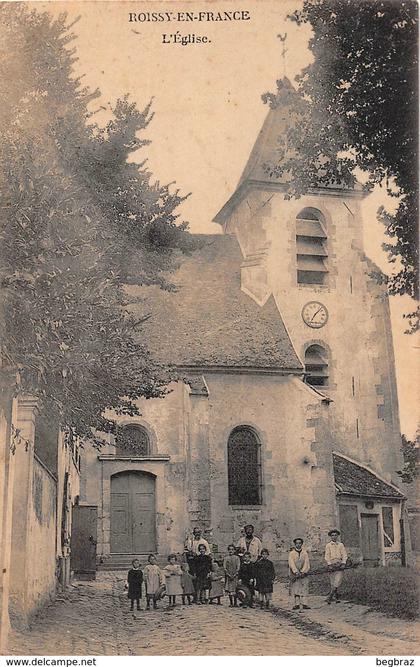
(133, 516)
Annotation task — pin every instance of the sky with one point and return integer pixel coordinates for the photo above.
(208, 109)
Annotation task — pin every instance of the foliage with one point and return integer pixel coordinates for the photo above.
(358, 109)
(410, 452)
(390, 590)
(78, 221)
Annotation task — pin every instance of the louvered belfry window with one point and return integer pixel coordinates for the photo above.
(316, 366)
(132, 440)
(311, 247)
(244, 467)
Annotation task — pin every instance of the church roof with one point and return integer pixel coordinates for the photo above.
(353, 479)
(209, 321)
(285, 109)
(267, 149)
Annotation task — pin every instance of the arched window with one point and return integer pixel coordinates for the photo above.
(311, 247)
(132, 440)
(316, 366)
(244, 468)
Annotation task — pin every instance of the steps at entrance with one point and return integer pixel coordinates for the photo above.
(120, 561)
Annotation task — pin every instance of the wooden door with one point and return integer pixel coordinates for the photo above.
(370, 539)
(133, 522)
(83, 541)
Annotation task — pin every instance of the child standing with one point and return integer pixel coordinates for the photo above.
(264, 578)
(246, 576)
(154, 580)
(134, 582)
(336, 557)
(187, 583)
(217, 578)
(202, 569)
(231, 566)
(299, 566)
(173, 574)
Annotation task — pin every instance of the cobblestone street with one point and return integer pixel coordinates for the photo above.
(93, 618)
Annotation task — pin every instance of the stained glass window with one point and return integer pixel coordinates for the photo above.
(244, 469)
(132, 440)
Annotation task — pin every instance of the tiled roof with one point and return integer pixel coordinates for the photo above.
(209, 321)
(354, 479)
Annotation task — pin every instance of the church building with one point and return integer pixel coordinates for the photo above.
(286, 413)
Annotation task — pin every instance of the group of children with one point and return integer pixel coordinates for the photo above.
(154, 581)
(203, 580)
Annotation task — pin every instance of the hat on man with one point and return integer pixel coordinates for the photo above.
(334, 531)
(297, 539)
(249, 525)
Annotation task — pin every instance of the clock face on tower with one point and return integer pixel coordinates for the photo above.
(314, 314)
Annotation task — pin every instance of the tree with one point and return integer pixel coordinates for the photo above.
(410, 452)
(75, 213)
(359, 110)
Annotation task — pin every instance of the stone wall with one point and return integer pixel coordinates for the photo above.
(8, 417)
(33, 557)
(41, 545)
(297, 488)
(166, 420)
(68, 491)
(40, 516)
(190, 432)
(357, 337)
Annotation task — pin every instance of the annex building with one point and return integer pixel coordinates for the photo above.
(286, 415)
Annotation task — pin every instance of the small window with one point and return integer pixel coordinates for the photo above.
(388, 524)
(316, 366)
(132, 440)
(244, 470)
(311, 247)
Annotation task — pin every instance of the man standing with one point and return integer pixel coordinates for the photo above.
(336, 558)
(250, 543)
(192, 543)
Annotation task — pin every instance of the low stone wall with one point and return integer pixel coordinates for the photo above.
(41, 581)
(33, 566)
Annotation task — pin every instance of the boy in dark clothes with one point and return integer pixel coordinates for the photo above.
(246, 576)
(264, 578)
(134, 584)
(202, 568)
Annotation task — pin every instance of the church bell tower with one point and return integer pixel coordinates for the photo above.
(308, 253)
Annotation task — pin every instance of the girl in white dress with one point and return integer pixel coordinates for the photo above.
(154, 580)
(173, 574)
